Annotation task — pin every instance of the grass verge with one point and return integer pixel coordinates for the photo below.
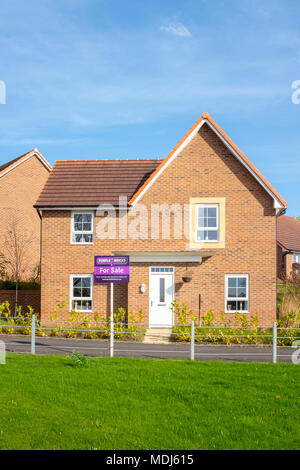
(49, 403)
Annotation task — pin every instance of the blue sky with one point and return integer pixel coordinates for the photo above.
(107, 78)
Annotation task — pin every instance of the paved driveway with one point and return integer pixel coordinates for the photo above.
(98, 348)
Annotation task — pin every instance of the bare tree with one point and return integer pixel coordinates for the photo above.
(2, 266)
(16, 253)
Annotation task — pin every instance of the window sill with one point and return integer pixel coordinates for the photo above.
(236, 311)
(81, 311)
(206, 244)
(82, 243)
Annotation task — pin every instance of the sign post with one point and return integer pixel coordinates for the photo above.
(110, 270)
(111, 338)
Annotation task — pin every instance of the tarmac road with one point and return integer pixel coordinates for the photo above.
(100, 348)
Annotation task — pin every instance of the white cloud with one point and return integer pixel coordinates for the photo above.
(176, 28)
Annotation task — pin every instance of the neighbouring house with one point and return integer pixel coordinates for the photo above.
(288, 246)
(21, 181)
(199, 226)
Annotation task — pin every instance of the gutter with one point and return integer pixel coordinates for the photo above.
(102, 207)
(41, 221)
(277, 214)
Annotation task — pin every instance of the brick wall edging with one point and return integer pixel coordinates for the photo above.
(25, 297)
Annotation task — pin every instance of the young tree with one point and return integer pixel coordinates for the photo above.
(298, 218)
(16, 253)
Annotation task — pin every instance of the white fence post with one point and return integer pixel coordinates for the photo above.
(33, 334)
(193, 341)
(111, 338)
(274, 342)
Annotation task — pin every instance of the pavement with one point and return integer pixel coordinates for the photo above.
(100, 348)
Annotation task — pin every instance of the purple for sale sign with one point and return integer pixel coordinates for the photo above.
(111, 269)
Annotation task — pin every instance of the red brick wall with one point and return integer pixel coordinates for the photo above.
(205, 168)
(289, 264)
(25, 298)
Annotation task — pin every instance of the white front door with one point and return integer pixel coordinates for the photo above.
(161, 296)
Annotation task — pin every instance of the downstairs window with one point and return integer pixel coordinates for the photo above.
(81, 295)
(237, 293)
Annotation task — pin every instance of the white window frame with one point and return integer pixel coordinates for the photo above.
(197, 228)
(88, 232)
(295, 256)
(161, 269)
(237, 299)
(81, 298)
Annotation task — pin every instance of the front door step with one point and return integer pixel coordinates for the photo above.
(158, 336)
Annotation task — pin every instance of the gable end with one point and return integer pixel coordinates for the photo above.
(278, 202)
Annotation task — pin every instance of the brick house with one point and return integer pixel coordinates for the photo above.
(226, 248)
(288, 246)
(21, 181)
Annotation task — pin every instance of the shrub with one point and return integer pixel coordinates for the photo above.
(208, 319)
(96, 326)
(237, 329)
(288, 297)
(78, 359)
(11, 285)
(19, 323)
(183, 331)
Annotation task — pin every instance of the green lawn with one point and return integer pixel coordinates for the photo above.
(47, 403)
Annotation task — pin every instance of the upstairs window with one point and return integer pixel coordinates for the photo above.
(82, 228)
(207, 222)
(296, 258)
(237, 293)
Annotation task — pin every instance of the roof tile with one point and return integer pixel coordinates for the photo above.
(94, 182)
(289, 232)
